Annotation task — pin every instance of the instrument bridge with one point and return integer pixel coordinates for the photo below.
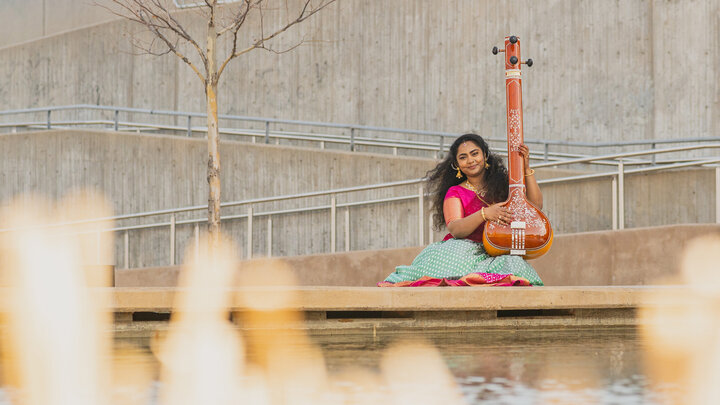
(517, 229)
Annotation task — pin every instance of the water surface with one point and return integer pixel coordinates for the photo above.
(597, 365)
(497, 366)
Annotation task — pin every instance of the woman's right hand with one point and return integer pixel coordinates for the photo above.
(497, 213)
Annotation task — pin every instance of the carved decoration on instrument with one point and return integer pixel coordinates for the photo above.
(514, 128)
(523, 212)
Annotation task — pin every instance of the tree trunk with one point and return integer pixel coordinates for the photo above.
(213, 170)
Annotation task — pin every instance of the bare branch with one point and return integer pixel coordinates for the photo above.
(156, 17)
(304, 14)
(187, 36)
(284, 50)
(239, 19)
(182, 57)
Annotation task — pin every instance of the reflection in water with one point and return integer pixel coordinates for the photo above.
(543, 366)
(598, 365)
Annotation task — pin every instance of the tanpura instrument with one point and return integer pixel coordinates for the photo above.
(529, 233)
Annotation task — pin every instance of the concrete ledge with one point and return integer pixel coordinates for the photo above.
(628, 257)
(142, 312)
(403, 299)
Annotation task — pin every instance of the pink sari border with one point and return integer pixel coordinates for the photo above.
(469, 280)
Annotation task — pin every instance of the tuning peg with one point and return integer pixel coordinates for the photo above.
(513, 39)
(528, 62)
(513, 60)
(495, 50)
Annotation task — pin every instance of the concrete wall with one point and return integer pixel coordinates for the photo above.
(30, 20)
(605, 71)
(141, 173)
(646, 256)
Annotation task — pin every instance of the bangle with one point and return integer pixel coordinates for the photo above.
(482, 212)
(532, 171)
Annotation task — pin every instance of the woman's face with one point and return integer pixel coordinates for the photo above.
(470, 159)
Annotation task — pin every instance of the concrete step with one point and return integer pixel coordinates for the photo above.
(629, 257)
(140, 311)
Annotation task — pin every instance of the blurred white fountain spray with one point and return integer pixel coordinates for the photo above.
(202, 358)
(57, 346)
(682, 328)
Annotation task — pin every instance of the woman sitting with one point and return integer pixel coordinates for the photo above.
(469, 187)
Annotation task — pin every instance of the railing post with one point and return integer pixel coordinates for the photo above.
(126, 256)
(48, 119)
(352, 139)
(442, 146)
(652, 146)
(717, 194)
(249, 232)
(197, 242)
(621, 195)
(269, 236)
(172, 239)
(333, 218)
(430, 228)
(189, 127)
(421, 215)
(546, 153)
(347, 229)
(267, 131)
(614, 204)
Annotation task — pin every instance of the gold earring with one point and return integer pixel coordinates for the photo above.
(487, 166)
(459, 173)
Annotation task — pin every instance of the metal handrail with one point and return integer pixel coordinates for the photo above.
(617, 206)
(378, 186)
(620, 160)
(623, 155)
(422, 180)
(352, 127)
(324, 138)
(228, 117)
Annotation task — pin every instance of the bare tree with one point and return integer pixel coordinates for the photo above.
(225, 21)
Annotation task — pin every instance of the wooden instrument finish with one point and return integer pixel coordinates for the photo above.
(529, 234)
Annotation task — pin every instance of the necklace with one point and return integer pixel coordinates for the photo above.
(479, 193)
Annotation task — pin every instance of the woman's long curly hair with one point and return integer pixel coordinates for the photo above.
(443, 176)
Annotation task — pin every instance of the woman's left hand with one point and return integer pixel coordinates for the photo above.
(525, 153)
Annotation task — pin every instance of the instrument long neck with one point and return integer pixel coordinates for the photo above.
(513, 88)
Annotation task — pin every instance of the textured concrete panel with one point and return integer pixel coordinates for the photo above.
(604, 71)
(141, 173)
(29, 20)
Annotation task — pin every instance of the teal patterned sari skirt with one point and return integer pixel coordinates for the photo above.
(455, 258)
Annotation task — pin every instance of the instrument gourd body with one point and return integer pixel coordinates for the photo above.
(529, 234)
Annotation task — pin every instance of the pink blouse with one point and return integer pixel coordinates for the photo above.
(470, 204)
